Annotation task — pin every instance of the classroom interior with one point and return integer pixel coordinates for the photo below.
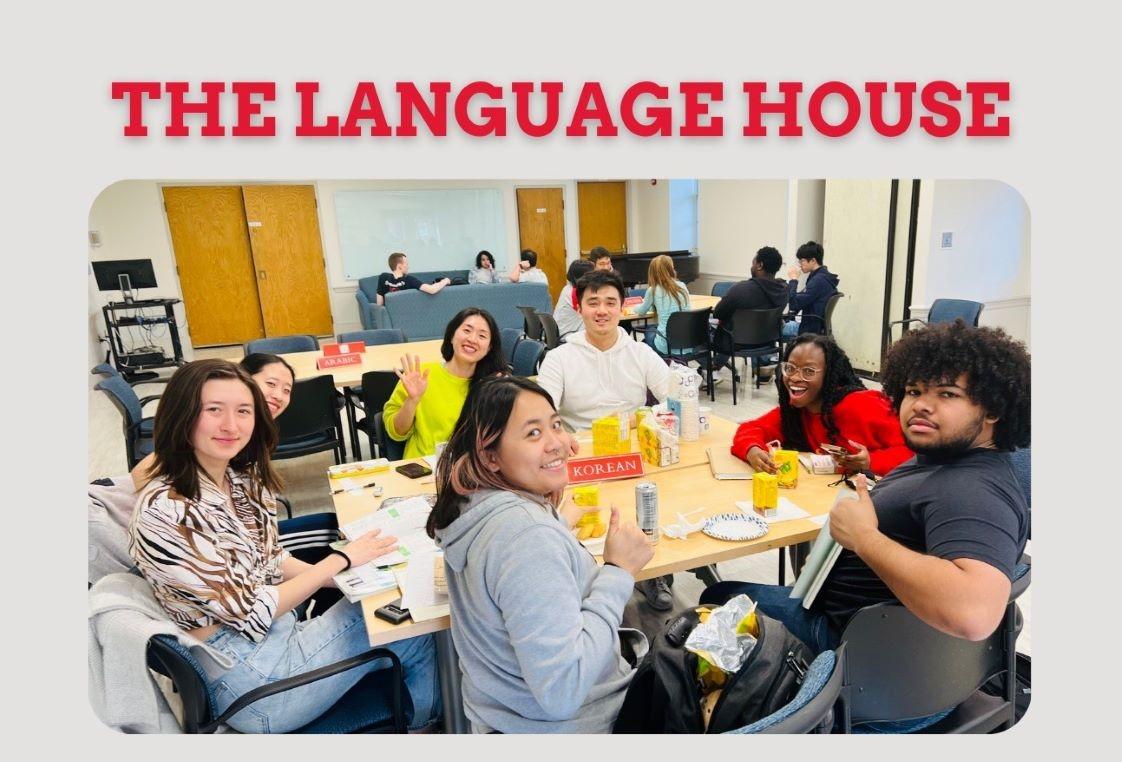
(897, 245)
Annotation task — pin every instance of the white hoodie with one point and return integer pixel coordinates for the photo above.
(587, 384)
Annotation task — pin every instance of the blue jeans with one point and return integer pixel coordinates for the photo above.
(811, 628)
(790, 329)
(293, 647)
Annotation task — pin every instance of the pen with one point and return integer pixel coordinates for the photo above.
(365, 486)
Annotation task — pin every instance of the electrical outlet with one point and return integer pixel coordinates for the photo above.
(947, 241)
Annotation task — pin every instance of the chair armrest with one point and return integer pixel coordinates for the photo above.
(287, 505)
(908, 320)
(288, 683)
(145, 400)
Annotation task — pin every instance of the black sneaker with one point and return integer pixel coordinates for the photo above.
(657, 592)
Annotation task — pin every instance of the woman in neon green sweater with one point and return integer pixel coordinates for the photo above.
(426, 402)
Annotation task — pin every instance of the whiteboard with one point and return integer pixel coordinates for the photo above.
(437, 229)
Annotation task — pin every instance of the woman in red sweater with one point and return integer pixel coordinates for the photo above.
(821, 400)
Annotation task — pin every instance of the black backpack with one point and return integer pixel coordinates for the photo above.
(665, 694)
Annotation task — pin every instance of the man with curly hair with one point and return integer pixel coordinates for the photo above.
(942, 532)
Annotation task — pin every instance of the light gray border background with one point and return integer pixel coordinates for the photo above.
(62, 144)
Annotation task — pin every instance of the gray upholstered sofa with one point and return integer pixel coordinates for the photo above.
(424, 316)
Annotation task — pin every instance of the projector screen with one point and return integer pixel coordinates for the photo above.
(437, 229)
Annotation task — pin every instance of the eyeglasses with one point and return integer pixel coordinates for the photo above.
(807, 372)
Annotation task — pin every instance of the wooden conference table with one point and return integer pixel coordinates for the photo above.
(683, 487)
(377, 357)
(697, 302)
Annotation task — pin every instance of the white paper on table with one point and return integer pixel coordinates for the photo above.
(820, 520)
(420, 613)
(418, 589)
(785, 511)
(431, 460)
(405, 521)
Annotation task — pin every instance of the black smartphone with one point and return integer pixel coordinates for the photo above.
(414, 470)
(392, 612)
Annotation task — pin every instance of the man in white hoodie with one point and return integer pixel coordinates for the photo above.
(602, 371)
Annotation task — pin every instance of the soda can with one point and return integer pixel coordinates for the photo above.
(646, 509)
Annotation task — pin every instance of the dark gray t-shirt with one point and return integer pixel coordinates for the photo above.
(968, 507)
(389, 283)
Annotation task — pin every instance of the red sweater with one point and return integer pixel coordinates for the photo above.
(865, 417)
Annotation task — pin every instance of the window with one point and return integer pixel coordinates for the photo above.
(683, 215)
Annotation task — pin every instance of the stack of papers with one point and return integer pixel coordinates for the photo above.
(785, 511)
(418, 589)
(362, 581)
(404, 520)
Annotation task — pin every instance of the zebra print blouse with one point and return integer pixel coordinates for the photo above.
(207, 562)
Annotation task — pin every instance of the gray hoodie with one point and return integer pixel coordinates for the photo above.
(535, 619)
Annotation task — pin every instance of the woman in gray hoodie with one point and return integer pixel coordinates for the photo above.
(536, 619)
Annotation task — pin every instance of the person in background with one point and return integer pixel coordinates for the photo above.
(821, 400)
(601, 258)
(821, 284)
(399, 279)
(427, 400)
(600, 371)
(665, 295)
(484, 271)
(273, 376)
(538, 621)
(762, 291)
(567, 311)
(526, 271)
(204, 536)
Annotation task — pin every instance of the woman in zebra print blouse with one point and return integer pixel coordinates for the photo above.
(204, 535)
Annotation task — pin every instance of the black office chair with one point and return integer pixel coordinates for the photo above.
(137, 427)
(311, 423)
(388, 448)
(350, 714)
(510, 339)
(947, 311)
(308, 538)
(752, 333)
(812, 708)
(377, 387)
(828, 318)
(532, 327)
(721, 287)
(687, 340)
(551, 334)
(527, 357)
(899, 668)
(279, 345)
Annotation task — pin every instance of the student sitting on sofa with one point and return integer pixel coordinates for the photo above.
(526, 271)
(427, 400)
(484, 271)
(399, 279)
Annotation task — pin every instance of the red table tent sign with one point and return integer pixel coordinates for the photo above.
(337, 361)
(348, 348)
(605, 468)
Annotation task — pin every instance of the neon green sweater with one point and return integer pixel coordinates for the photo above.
(436, 414)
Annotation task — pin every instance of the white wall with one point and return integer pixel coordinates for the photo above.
(989, 261)
(130, 217)
(736, 218)
(648, 215)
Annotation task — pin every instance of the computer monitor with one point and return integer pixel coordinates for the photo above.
(124, 274)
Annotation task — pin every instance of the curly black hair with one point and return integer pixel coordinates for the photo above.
(838, 381)
(997, 367)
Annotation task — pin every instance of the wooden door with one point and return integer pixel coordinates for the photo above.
(288, 257)
(602, 216)
(215, 264)
(541, 227)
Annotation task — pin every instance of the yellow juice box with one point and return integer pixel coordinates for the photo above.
(606, 436)
(765, 493)
(787, 467)
(586, 495)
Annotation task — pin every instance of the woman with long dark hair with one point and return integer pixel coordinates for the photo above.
(821, 400)
(536, 619)
(427, 400)
(204, 535)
